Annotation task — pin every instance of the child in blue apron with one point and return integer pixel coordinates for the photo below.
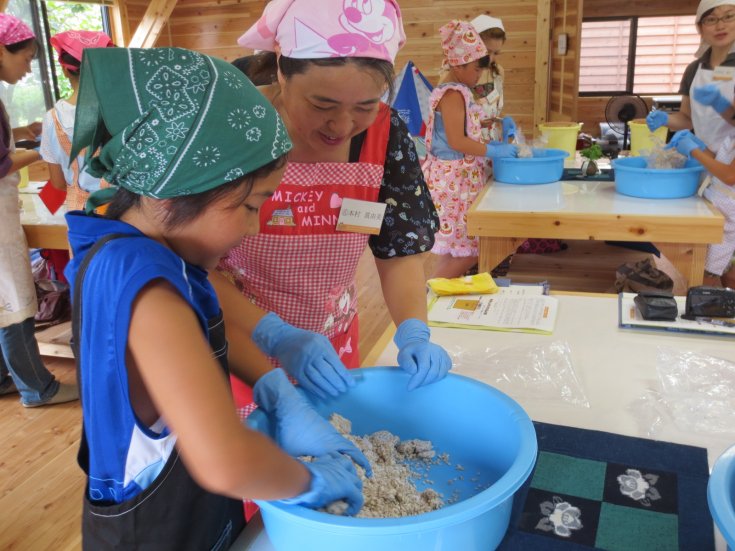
(191, 151)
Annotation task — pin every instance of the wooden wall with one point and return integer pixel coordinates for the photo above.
(564, 74)
(213, 27)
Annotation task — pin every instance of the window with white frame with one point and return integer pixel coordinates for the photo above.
(640, 55)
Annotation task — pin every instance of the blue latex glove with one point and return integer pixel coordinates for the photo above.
(333, 478)
(710, 95)
(425, 361)
(307, 356)
(685, 142)
(509, 128)
(656, 119)
(300, 430)
(498, 150)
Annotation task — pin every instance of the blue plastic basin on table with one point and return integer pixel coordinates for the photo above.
(546, 166)
(634, 179)
(480, 428)
(721, 495)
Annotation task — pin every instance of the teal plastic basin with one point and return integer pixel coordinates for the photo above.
(480, 428)
(721, 495)
(546, 166)
(634, 179)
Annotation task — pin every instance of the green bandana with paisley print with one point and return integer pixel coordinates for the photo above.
(167, 122)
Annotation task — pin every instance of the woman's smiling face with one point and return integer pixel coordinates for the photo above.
(721, 34)
(327, 106)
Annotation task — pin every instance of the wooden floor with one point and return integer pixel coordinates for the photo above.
(41, 485)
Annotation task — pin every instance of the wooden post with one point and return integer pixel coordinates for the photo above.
(152, 23)
(3, 5)
(542, 73)
(120, 24)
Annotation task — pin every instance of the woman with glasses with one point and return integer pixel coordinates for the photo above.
(710, 79)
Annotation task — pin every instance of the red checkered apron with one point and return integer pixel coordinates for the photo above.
(299, 266)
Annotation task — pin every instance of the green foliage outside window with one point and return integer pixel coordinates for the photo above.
(25, 101)
(67, 16)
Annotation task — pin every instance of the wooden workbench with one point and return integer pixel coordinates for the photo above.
(504, 215)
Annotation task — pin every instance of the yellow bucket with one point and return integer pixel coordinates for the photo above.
(561, 135)
(642, 138)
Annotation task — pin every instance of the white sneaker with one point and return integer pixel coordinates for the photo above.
(66, 393)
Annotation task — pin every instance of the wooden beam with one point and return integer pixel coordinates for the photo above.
(120, 24)
(152, 23)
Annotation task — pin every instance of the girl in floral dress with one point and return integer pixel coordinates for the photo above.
(456, 159)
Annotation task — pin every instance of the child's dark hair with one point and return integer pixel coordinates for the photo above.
(262, 68)
(188, 207)
(22, 45)
(494, 33)
(68, 59)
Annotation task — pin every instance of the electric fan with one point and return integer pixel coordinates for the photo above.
(622, 109)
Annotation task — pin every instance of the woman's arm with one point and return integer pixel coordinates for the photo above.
(247, 362)
(402, 280)
(452, 109)
(682, 119)
(56, 176)
(189, 390)
(21, 158)
(30, 132)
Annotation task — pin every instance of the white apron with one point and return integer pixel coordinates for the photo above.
(708, 124)
(17, 291)
(722, 196)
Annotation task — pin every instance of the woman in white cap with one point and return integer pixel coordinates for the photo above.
(488, 91)
(710, 79)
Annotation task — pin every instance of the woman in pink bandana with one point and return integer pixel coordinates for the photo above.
(333, 66)
(455, 164)
(58, 124)
(21, 368)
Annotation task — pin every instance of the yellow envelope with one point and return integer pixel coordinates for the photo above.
(479, 284)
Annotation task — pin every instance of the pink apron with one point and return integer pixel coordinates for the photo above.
(299, 266)
(454, 184)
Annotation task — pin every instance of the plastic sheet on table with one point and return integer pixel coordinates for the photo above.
(542, 372)
(695, 392)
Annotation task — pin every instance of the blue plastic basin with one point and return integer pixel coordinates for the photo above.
(721, 495)
(480, 428)
(634, 179)
(546, 166)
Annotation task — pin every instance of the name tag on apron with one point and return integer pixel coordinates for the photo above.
(723, 73)
(358, 216)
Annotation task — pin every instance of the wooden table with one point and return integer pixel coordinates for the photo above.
(504, 215)
(616, 367)
(43, 229)
(46, 231)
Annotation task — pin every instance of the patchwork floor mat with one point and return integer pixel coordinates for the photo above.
(598, 490)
